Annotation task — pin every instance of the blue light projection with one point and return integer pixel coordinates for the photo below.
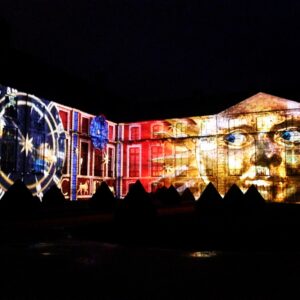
(32, 141)
(99, 132)
(74, 159)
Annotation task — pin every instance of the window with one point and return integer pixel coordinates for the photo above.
(85, 125)
(156, 161)
(11, 107)
(157, 131)
(8, 150)
(37, 161)
(234, 164)
(110, 163)
(207, 155)
(84, 158)
(98, 165)
(181, 159)
(292, 157)
(134, 162)
(65, 168)
(134, 133)
(64, 118)
(260, 163)
(110, 132)
(180, 130)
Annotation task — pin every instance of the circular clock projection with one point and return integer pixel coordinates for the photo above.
(99, 132)
(32, 142)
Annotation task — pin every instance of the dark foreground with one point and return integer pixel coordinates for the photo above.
(176, 256)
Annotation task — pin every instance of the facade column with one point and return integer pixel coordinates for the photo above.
(74, 156)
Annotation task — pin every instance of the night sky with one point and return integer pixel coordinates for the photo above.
(137, 59)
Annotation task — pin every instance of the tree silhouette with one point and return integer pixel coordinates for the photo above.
(19, 199)
(53, 197)
(210, 201)
(103, 199)
(187, 196)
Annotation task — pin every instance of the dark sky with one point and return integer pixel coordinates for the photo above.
(138, 59)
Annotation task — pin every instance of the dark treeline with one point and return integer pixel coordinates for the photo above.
(137, 202)
(164, 217)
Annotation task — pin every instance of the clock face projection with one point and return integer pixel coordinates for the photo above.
(32, 142)
(99, 132)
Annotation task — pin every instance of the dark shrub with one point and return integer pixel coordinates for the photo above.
(187, 196)
(103, 199)
(168, 196)
(136, 205)
(53, 197)
(234, 199)
(19, 199)
(253, 199)
(210, 200)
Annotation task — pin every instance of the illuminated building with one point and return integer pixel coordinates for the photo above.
(254, 142)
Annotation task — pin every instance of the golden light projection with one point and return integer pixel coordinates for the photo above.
(254, 142)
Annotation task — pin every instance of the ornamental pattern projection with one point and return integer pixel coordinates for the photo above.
(254, 142)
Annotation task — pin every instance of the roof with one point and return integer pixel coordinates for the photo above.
(261, 102)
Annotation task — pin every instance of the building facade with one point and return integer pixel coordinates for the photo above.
(254, 142)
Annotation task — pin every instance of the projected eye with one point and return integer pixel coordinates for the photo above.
(237, 139)
(288, 136)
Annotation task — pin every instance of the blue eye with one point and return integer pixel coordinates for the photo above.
(230, 138)
(237, 139)
(286, 135)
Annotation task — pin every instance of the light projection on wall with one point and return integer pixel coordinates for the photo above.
(255, 142)
(32, 141)
(99, 132)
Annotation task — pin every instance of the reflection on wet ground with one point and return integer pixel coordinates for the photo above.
(73, 269)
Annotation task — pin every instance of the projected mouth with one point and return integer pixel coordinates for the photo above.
(264, 183)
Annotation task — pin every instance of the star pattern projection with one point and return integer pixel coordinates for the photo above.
(105, 158)
(27, 145)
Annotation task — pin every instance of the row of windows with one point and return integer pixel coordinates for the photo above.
(180, 164)
(85, 124)
(159, 131)
(103, 161)
(209, 126)
(158, 164)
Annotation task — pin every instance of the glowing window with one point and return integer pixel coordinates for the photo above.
(66, 164)
(292, 157)
(38, 159)
(11, 107)
(261, 160)
(156, 161)
(84, 125)
(110, 165)
(64, 118)
(98, 164)
(157, 130)
(235, 161)
(110, 132)
(9, 150)
(180, 129)
(207, 151)
(181, 162)
(84, 152)
(134, 162)
(134, 133)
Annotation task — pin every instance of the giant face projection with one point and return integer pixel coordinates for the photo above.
(32, 141)
(255, 142)
(259, 148)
